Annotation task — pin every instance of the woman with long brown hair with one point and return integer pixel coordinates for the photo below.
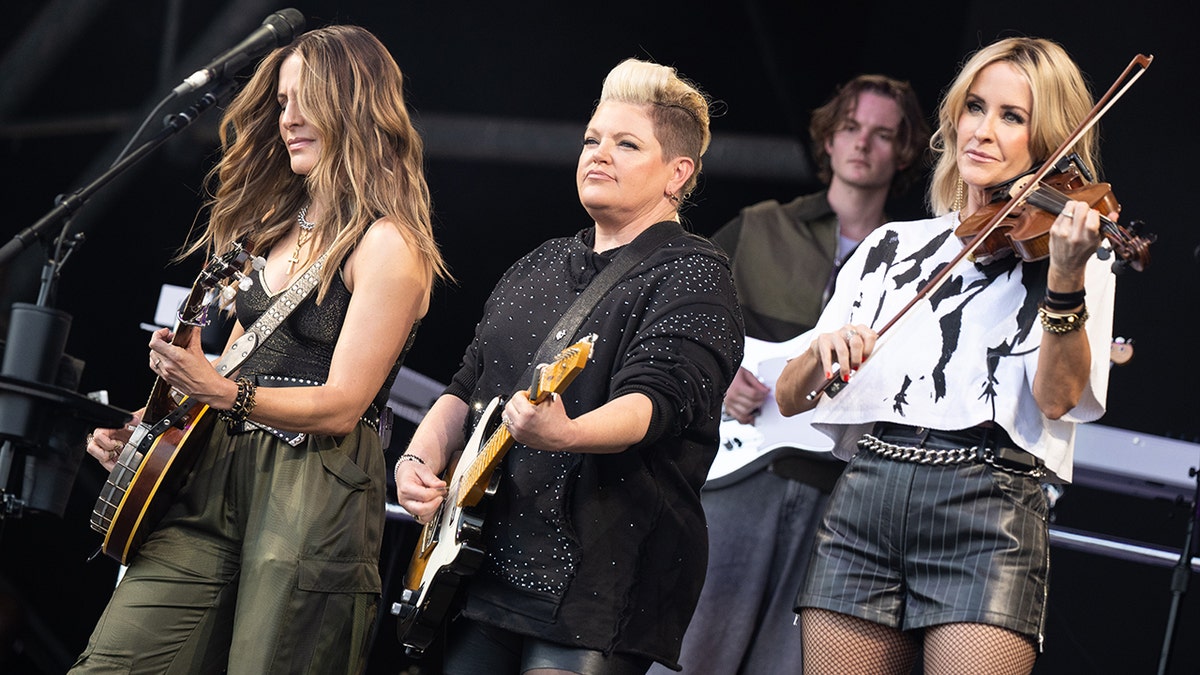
(267, 558)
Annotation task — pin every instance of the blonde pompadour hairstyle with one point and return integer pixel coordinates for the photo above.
(677, 108)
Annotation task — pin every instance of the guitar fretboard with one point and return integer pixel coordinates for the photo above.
(480, 472)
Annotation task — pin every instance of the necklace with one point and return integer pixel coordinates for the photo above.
(306, 231)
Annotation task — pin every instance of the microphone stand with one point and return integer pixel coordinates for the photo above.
(1179, 577)
(68, 205)
(37, 333)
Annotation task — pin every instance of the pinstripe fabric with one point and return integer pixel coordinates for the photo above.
(911, 546)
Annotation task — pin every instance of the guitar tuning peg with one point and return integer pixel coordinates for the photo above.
(244, 283)
(258, 263)
(227, 293)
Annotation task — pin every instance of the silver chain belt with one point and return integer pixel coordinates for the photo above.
(941, 456)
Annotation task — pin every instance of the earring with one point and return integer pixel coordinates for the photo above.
(958, 196)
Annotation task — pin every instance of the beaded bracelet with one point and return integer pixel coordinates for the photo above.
(1059, 323)
(243, 404)
(1056, 301)
(406, 457)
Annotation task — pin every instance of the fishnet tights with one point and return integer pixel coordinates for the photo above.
(837, 644)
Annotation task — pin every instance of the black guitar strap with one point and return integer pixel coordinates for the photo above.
(563, 333)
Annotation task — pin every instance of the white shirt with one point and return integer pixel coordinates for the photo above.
(965, 354)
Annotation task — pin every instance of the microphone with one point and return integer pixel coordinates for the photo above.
(277, 30)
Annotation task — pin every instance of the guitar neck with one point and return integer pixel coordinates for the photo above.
(551, 378)
(161, 402)
(477, 476)
(191, 315)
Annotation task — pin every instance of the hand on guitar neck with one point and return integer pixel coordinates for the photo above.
(148, 459)
(450, 547)
(745, 397)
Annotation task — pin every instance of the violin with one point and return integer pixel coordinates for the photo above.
(1024, 230)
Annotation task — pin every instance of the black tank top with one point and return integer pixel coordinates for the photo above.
(300, 350)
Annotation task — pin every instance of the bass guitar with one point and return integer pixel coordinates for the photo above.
(450, 547)
(162, 448)
(746, 448)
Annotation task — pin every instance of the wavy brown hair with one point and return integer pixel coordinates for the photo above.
(371, 163)
(1061, 100)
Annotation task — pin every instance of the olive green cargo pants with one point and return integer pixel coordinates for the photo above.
(266, 562)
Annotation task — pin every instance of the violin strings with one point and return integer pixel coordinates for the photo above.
(1057, 201)
(1127, 246)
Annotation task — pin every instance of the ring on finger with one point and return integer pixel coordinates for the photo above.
(850, 332)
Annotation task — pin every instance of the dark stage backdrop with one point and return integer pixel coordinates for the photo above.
(494, 86)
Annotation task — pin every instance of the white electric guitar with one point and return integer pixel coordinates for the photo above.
(745, 448)
(451, 545)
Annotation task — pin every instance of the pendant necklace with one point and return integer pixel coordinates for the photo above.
(306, 231)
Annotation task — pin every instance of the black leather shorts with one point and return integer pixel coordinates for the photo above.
(910, 545)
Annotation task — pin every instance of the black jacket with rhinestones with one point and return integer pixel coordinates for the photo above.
(608, 551)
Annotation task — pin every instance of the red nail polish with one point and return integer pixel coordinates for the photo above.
(828, 374)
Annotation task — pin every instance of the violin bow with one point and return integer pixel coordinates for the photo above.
(1132, 72)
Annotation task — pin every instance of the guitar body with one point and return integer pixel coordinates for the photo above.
(450, 547)
(153, 463)
(746, 448)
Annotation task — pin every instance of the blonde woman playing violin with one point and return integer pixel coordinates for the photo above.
(935, 539)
